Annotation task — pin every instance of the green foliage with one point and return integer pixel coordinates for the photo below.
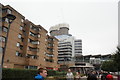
(114, 63)
(51, 72)
(21, 74)
(56, 73)
(116, 58)
(28, 74)
(109, 66)
(61, 73)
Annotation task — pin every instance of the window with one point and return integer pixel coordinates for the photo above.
(6, 20)
(23, 32)
(30, 26)
(22, 20)
(21, 47)
(34, 57)
(35, 42)
(39, 29)
(19, 36)
(31, 56)
(28, 40)
(9, 11)
(1, 49)
(22, 39)
(18, 44)
(5, 29)
(18, 54)
(33, 49)
(30, 67)
(2, 39)
(4, 10)
(32, 34)
(27, 55)
(38, 35)
(45, 39)
(44, 59)
(38, 42)
(21, 28)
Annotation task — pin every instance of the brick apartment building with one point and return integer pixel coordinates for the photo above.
(28, 45)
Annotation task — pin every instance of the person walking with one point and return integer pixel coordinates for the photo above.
(109, 77)
(42, 73)
(77, 76)
(69, 75)
(92, 76)
(103, 75)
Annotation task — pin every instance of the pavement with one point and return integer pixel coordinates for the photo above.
(85, 78)
(82, 78)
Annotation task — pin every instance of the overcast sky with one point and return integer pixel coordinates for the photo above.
(93, 21)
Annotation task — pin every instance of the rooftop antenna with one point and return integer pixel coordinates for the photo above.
(62, 15)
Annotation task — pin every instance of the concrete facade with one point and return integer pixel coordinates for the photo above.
(78, 47)
(60, 29)
(68, 46)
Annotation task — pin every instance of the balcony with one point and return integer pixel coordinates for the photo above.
(49, 56)
(65, 53)
(32, 45)
(33, 34)
(62, 56)
(33, 37)
(64, 49)
(50, 49)
(32, 49)
(49, 41)
(49, 60)
(49, 46)
(35, 29)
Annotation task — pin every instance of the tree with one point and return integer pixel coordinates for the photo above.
(116, 58)
(109, 66)
(113, 64)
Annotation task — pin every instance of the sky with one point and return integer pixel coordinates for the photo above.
(95, 22)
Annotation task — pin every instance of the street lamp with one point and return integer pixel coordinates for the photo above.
(10, 18)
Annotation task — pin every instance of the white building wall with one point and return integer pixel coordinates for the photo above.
(71, 39)
(60, 31)
(78, 46)
(66, 38)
